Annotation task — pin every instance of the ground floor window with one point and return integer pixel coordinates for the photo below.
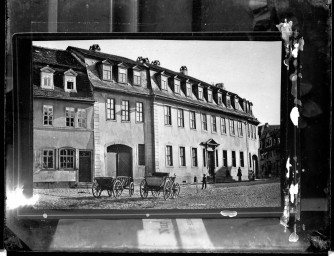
(67, 158)
(194, 156)
(169, 156)
(48, 159)
(242, 159)
(182, 156)
(234, 162)
(225, 158)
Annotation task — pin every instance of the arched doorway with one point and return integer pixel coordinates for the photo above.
(119, 160)
(255, 165)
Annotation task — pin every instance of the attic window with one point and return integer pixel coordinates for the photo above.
(47, 78)
(236, 102)
(228, 101)
(200, 93)
(188, 90)
(122, 75)
(209, 95)
(219, 99)
(106, 71)
(177, 86)
(164, 83)
(136, 77)
(70, 81)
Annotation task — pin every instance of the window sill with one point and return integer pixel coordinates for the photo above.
(112, 120)
(125, 121)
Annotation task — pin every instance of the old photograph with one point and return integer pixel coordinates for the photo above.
(156, 124)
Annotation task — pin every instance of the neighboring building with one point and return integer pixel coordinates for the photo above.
(62, 119)
(269, 151)
(148, 119)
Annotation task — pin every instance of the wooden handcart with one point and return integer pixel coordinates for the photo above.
(160, 184)
(114, 186)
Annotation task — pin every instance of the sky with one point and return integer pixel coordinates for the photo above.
(251, 69)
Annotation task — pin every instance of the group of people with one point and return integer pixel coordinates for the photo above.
(204, 179)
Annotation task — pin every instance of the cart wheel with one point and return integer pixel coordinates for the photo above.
(96, 191)
(117, 189)
(131, 188)
(175, 190)
(155, 193)
(167, 190)
(143, 189)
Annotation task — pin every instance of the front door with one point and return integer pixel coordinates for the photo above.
(211, 162)
(85, 166)
(124, 164)
(119, 160)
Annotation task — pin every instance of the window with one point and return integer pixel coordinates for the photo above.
(168, 115)
(192, 120)
(111, 109)
(48, 159)
(182, 156)
(242, 159)
(214, 123)
(223, 125)
(209, 96)
(219, 99)
(204, 122)
(47, 115)
(169, 156)
(236, 101)
(225, 158)
(234, 162)
(217, 161)
(67, 158)
(232, 130)
(250, 160)
(139, 112)
(188, 90)
(69, 114)
(70, 81)
(82, 118)
(240, 133)
(106, 72)
(47, 77)
(204, 157)
(136, 78)
(268, 142)
(248, 130)
(200, 93)
(254, 132)
(141, 154)
(228, 101)
(125, 110)
(194, 157)
(164, 83)
(176, 86)
(180, 118)
(122, 75)
(251, 131)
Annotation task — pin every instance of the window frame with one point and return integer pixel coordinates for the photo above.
(240, 131)
(210, 96)
(177, 86)
(167, 115)
(242, 159)
(104, 70)
(182, 156)
(232, 127)
(200, 93)
(71, 110)
(122, 77)
(204, 122)
(180, 117)
(48, 156)
(194, 158)
(81, 119)
(188, 89)
(223, 129)
(48, 116)
(169, 156)
(192, 121)
(137, 78)
(225, 163)
(139, 112)
(213, 124)
(164, 86)
(125, 111)
(234, 159)
(73, 156)
(112, 109)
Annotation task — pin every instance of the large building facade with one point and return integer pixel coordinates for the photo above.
(148, 119)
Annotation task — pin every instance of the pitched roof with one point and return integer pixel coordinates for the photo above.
(60, 61)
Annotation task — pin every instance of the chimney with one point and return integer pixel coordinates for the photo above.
(220, 85)
(184, 70)
(156, 63)
(95, 48)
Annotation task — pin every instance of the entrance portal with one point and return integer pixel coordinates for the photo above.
(119, 160)
(255, 166)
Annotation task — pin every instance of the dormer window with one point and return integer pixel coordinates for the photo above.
(107, 72)
(47, 78)
(200, 93)
(177, 86)
(209, 95)
(228, 101)
(70, 81)
(164, 80)
(188, 89)
(220, 100)
(236, 103)
(122, 73)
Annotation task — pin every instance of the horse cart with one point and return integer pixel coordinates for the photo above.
(160, 184)
(114, 186)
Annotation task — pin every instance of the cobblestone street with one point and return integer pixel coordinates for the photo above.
(222, 195)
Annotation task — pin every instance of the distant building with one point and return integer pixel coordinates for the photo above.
(269, 151)
(145, 119)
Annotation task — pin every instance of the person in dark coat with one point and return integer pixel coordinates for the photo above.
(204, 181)
(239, 174)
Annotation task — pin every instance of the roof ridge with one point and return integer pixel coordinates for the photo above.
(48, 48)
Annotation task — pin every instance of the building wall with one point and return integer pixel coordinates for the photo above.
(59, 136)
(190, 138)
(129, 133)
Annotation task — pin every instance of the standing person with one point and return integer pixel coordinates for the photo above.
(239, 174)
(204, 181)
